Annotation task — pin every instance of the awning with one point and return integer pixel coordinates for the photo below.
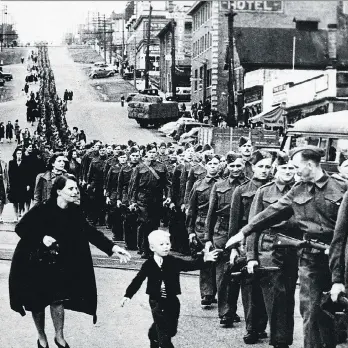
(273, 117)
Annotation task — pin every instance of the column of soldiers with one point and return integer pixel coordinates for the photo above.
(237, 204)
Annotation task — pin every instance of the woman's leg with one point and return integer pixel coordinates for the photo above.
(57, 314)
(39, 320)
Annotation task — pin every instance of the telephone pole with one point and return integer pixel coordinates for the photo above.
(231, 114)
(104, 39)
(147, 56)
(122, 55)
(173, 25)
(135, 61)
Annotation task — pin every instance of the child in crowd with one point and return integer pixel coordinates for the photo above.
(163, 286)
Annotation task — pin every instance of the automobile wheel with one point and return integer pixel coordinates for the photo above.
(142, 124)
(112, 74)
(94, 76)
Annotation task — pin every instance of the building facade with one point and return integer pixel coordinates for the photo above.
(263, 34)
(183, 36)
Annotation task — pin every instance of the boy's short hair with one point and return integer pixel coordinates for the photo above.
(155, 235)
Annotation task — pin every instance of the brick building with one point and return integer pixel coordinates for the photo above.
(264, 33)
(183, 36)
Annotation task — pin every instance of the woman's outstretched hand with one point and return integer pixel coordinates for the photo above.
(121, 253)
(48, 241)
(124, 301)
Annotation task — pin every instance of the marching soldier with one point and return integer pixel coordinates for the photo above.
(217, 234)
(253, 303)
(130, 223)
(148, 188)
(246, 149)
(314, 203)
(278, 287)
(110, 185)
(196, 215)
(95, 187)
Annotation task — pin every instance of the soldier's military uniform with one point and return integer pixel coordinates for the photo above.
(148, 187)
(177, 227)
(196, 215)
(96, 194)
(314, 205)
(278, 287)
(195, 173)
(115, 217)
(130, 221)
(253, 303)
(217, 231)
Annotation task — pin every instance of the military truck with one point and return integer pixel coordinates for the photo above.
(150, 110)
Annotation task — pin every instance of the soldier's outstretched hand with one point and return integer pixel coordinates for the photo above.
(210, 255)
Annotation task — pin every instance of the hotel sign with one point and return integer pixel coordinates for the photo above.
(257, 6)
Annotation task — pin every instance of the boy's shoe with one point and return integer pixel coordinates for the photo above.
(251, 337)
(226, 321)
(281, 345)
(206, 302)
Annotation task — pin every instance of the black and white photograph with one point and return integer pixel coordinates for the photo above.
(174, 174)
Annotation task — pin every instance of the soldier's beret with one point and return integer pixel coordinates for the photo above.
(242, 141)
(133, 149)
(259, 155)
(163, 145)
(169, 144)
(232, 156)
(121, 153)
(282, 158)
(206, 147)
(149, 147)
(308, 148)
(198, 148)
(179, 151)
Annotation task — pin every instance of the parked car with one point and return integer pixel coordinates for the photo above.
(149, 91)
(101, 72)
(107, 66)
(98, 64)
(130, 97)
(183, 94)
(6, 76)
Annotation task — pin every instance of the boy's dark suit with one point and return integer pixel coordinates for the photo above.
(165, 310)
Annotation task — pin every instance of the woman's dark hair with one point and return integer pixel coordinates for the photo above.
(53, 159)
(15, 151)
(59, 183)
(70, 153)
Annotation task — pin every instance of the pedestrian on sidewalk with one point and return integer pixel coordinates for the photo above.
(2, 132)
(9, 131)
(163, 286)
(122, 100)
(65, 279)
(17, 130)
(17, 191)
(4, 185)
(26, 87)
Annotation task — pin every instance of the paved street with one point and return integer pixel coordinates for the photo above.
(125, 327)
(106, 121)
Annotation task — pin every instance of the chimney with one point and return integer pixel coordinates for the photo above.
(332, 45)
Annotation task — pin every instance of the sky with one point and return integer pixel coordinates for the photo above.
(49, 20)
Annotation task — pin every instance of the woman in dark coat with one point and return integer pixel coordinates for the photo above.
(9, 131)
(17, 192)
(69, 282)
(2, 132)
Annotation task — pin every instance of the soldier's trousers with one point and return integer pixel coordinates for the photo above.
(227, 289)
(116, 221)
(97, 213)
(315, 278)
(178, 232)
(254, 305)
(278, 290)
(130, 230)
(148, 221)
